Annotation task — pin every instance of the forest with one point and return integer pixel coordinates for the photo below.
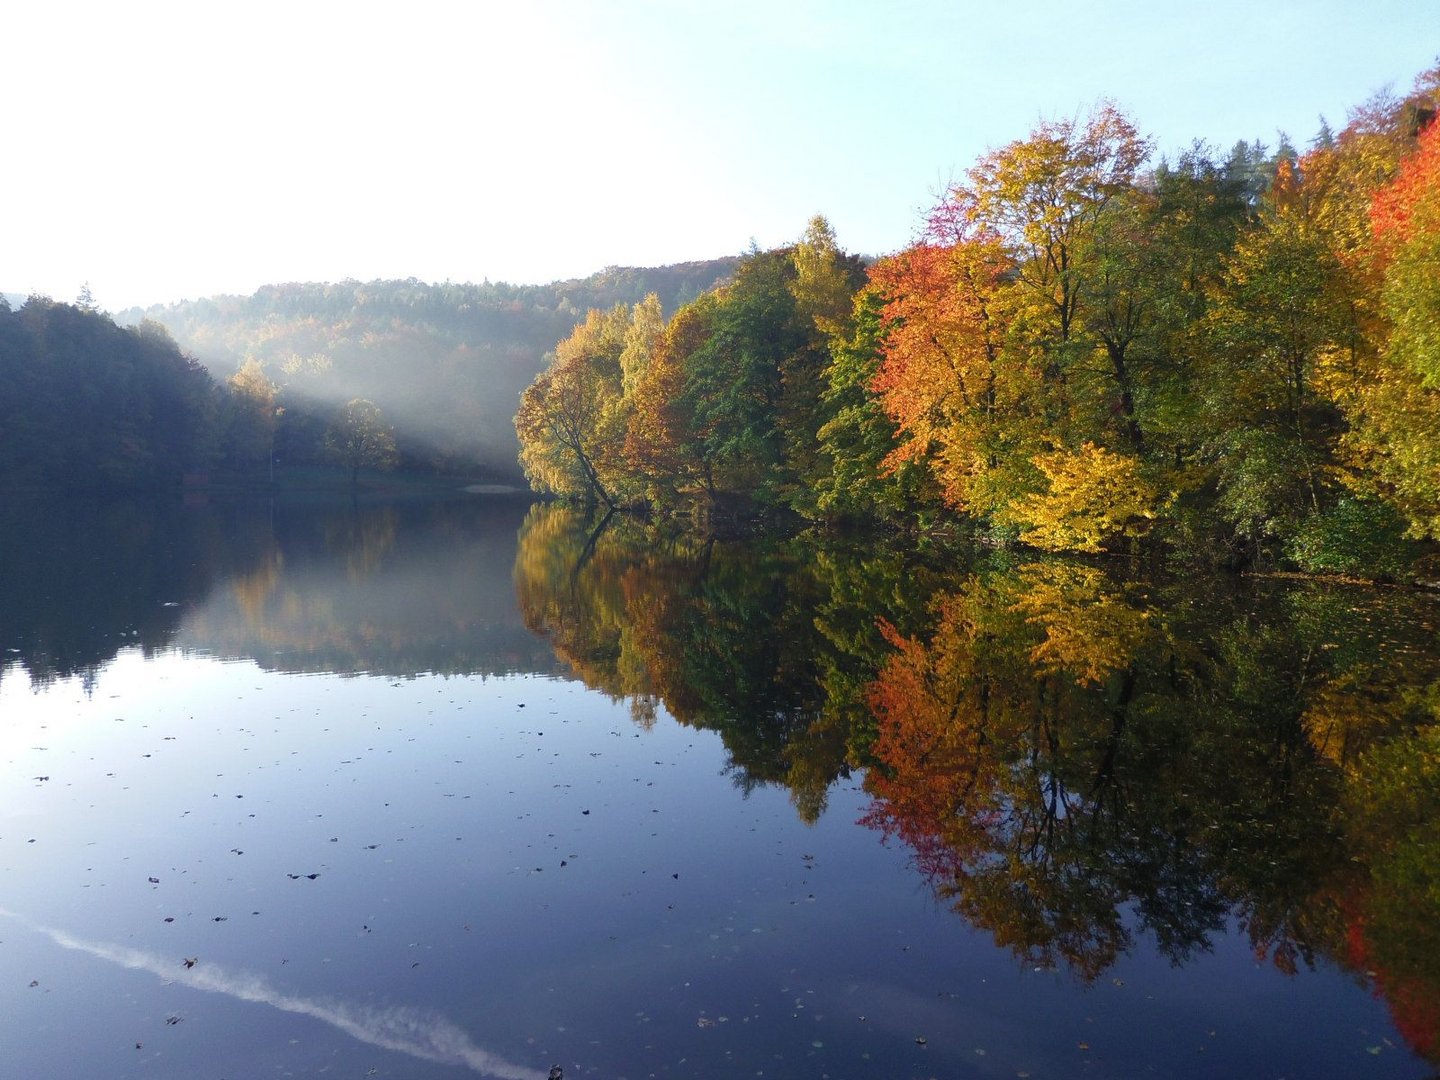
(89, 405)
(1235, 356)
(444, 364)
(321, 380)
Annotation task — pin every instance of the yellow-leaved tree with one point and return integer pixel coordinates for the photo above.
(1091, 496)
(570, 423)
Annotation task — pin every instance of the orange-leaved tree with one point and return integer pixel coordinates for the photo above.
(1394, 404)
(955, 406)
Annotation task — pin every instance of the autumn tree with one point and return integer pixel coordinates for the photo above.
(1010, 328)
(1297, 388)
(957, 408)
(1090, 496)
(571, 422)
(1054, 202)
(662, 446)
(359, 439)
(856, 438)
(1394, 404)
(250, 416)
(825, 279)
(642, 339)
(1231, 355)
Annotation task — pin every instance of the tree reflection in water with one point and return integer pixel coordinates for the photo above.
(1075, 757)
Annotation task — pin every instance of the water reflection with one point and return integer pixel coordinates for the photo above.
(723, 635)
(80, 582)
(1087, 765)
(1075, 759)
(301, 586)
(413, 1032)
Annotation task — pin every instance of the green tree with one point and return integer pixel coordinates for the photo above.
(734, 382)
(856, 437)
(1284, 303)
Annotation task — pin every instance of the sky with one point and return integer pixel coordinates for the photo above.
(164, 151)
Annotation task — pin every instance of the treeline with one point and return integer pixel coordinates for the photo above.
(89, 405)
(1238, 355)
(444, 363)
(426, 377)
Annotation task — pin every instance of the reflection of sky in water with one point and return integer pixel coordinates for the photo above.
(510, 863)
(429, 1038)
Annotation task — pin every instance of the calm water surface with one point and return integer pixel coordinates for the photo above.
(435, 790)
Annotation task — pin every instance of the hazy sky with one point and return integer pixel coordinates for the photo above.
(169, 150)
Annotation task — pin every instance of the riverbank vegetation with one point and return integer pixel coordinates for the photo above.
(1086, 349)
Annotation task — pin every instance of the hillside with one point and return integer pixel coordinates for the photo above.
(446, 363)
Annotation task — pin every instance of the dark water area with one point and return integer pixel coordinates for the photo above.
(435, 789)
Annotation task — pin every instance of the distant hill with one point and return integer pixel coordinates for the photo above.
(446, 363)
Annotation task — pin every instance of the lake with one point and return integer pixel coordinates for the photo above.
(479, 787)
